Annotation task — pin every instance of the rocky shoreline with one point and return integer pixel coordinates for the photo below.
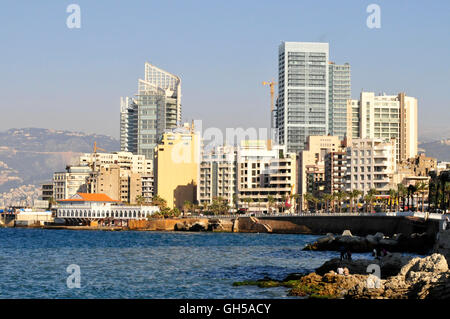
(401, 278)
(414, 243)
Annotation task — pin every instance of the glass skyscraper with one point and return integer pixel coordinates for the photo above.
(155, 108)
(339, 93)
(303, 93)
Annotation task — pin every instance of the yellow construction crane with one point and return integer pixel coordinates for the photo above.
(271, 84)
(94, 162)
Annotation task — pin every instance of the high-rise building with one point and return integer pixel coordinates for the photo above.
(155, 108)
(385, 117)
(302, 105)
(339, 93)
(176, 165)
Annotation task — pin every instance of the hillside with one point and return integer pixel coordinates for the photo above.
(29, 156)
(438, 149)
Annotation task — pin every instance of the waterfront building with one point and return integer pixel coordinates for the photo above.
(125, 160)
(385, 117)
(99, 209)
(155, 108)
(118, 183)
(70, 182)
(148, 186)
(47, 191)
(303, 93)
(265, 172)
(335, 171)
(311, 163)
(218, 175)
(339, 93)
(176, 165)
(371, 164)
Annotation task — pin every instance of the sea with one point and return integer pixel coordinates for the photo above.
(66, 264)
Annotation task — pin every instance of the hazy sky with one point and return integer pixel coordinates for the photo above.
(55, 77)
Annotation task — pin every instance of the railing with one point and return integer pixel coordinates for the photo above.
(305, 214)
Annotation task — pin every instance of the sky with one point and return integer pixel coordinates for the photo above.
(52, 76)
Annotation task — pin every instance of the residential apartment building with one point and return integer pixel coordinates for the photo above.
(155, 108)
(263, 171)
(311, 163)
(126, 161)
(385, 117)
(303, 93)
(218, 175)
(371, 164)
(70, 182)
(118, 183)
(176, 165)
(339, 93)
(335, 171)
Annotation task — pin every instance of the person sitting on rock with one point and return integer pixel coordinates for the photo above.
(340, 271)
(346, 271)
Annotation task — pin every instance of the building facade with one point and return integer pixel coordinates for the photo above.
(311, 163)
(371, 164)
(263, 173)
(177, 160)
(100, 209)
(155, 108)
(303, 93)
(385, 117)
(339, 93)
(335, 171)
(70, 182)
(218, 175)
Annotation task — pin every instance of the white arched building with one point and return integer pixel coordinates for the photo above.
(84, 208)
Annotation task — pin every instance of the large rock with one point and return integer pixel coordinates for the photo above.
(199, 226)
(389, 265)
(442, 244)
(347, 232)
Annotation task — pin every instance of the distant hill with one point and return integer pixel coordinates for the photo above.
(438, 149)
(31, 155)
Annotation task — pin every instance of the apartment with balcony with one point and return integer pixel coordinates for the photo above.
(218, 175)
(264, 171)
(371, 164)
(385, 117)
(311, 163)
(335, 171)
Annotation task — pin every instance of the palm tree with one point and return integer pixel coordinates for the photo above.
(187, 206)
(422, 188)
(327, 199)
(402, 191)
(411, 191)
(357, 193)
(339, 196)
(140, 200)
(310, 198)
(159, 201)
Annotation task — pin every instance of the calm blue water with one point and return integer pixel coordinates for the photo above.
(149, 264)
